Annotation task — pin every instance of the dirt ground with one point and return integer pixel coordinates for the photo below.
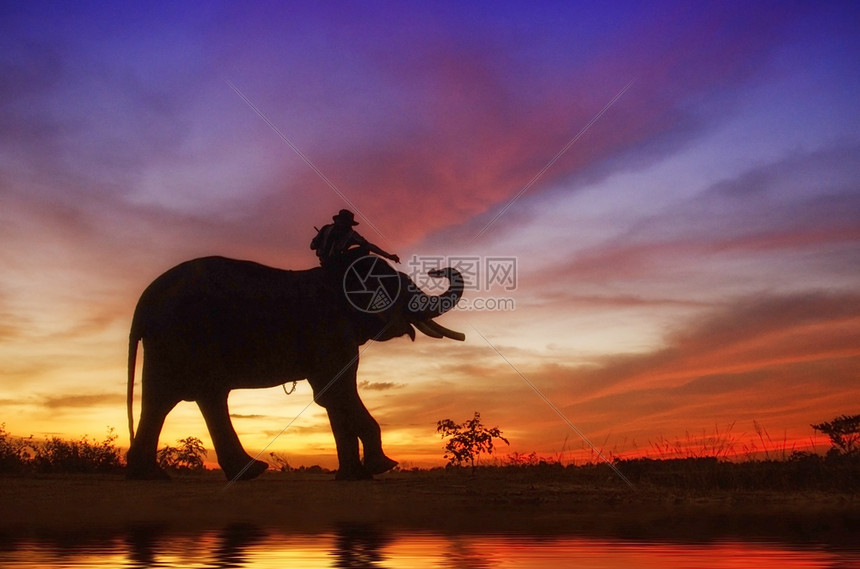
(433, 501)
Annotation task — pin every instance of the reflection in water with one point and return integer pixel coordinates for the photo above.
(369, 547)
(464, 554)
(233, 543)
(359, 546)
(142, 545)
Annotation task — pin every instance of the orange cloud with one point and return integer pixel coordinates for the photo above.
(784, 362)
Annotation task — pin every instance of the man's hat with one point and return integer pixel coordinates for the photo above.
(345, 216)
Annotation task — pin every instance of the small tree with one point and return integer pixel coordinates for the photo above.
(187, 456)
(468, 440)
(844, 432)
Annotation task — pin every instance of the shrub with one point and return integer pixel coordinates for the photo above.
(82, 456)
(188, 456)
(14, 456)
(467, 440)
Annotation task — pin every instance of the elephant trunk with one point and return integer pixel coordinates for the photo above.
(423, 307)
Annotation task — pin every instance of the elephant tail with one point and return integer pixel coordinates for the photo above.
(132, 358)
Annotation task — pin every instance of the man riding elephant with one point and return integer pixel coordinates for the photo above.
(212, 325)
(335, 240)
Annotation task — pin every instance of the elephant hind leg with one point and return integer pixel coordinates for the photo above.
(234, 461)
(141, 463)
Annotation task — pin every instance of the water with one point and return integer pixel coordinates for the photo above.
(241, 546)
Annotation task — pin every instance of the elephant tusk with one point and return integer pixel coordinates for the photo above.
(426, 329)
(441, 331)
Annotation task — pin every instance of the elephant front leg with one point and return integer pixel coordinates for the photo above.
(346, 440)
(350, 421)
(368, 430)
(234, 461)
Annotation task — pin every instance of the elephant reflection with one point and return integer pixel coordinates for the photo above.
(359, 546)
(231, 544)
(212, 325)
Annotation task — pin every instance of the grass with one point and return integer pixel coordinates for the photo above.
(687, 493)
(706, 463)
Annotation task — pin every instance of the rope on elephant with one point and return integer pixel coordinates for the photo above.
(293, 388)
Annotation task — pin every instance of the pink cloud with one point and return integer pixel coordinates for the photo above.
(477, 134)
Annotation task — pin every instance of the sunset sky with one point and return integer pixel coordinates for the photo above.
(679, 184)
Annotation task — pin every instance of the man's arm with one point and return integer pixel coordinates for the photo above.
(383, 253)
(373, 248)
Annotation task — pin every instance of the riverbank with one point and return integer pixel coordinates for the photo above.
(434, 501)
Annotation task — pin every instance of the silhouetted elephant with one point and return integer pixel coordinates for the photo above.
(212, 325)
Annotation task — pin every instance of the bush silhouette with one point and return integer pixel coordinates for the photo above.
(13, 453)
(77, 456)
(844, 433)
(468, 440)
(188, 456)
